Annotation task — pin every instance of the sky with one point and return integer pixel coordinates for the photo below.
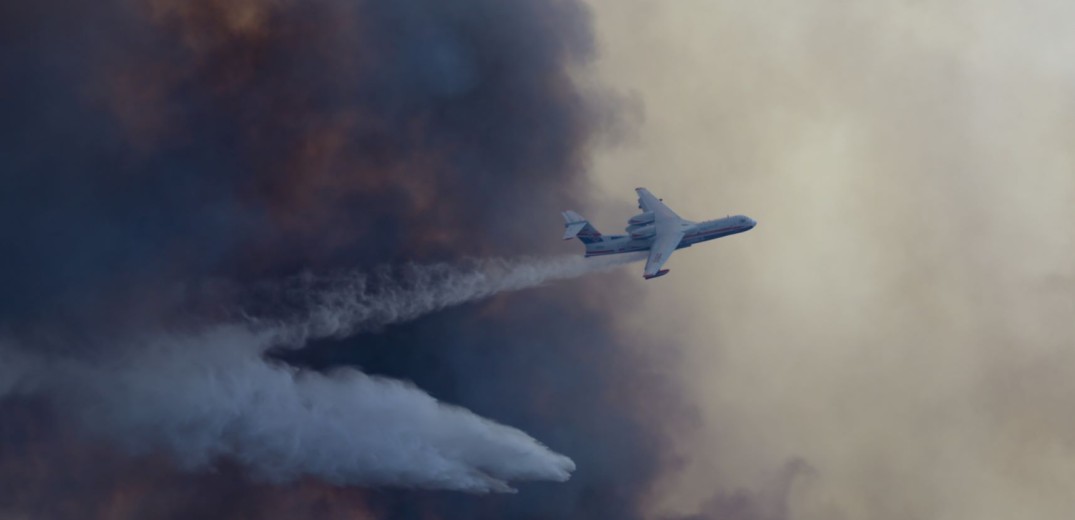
(282, 259)
(899, 323)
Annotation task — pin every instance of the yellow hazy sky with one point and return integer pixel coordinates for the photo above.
(903, 317)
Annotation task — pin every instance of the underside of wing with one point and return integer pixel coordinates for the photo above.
(664, 245)
(647, 202)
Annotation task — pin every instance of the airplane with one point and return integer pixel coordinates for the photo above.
(657, 229)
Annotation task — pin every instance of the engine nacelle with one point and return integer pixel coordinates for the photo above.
(641, 232)
(642, 219)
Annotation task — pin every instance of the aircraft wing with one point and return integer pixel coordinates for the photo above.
(647, 202)
(668, 237)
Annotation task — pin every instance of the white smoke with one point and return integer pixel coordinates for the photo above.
(201, 396)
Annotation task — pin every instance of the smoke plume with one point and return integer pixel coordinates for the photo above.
(171, 168)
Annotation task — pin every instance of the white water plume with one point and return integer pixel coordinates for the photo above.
(343, 305)
(208, 394)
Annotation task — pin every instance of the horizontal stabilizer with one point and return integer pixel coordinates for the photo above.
(660, 273)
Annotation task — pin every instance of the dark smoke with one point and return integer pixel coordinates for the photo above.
(148, 141)
(161, 157)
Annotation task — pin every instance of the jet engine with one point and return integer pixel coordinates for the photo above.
(641, 219)
(640, 232)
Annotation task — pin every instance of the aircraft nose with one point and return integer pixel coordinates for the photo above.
(752, 222)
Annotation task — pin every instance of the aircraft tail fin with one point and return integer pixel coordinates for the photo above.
(575, 226)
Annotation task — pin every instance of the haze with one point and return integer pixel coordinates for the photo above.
(901, 320)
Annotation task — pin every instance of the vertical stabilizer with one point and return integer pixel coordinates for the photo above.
(575, 226)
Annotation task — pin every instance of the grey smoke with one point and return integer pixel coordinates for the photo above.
(199, 396)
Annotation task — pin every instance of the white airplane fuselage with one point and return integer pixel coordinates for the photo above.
(658, 230)
(695, 232)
